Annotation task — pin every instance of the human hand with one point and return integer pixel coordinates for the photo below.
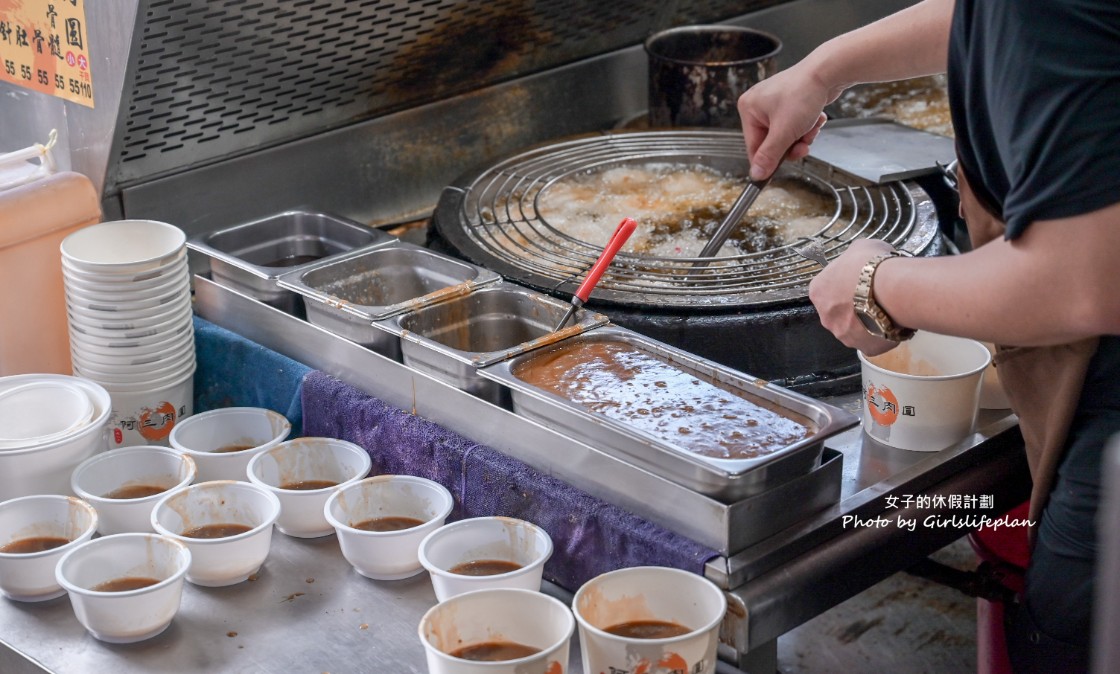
(781, 117)
(833, 290)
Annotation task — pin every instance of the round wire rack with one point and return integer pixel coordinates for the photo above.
(494, 218)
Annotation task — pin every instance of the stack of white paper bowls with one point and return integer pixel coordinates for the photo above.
(128, 301)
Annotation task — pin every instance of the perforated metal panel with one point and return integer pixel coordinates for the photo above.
(209, 79)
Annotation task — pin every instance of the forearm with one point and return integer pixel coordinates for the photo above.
(909, 43)
(1056, 284)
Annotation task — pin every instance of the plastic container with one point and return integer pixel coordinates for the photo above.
(34, 219)
(387, 555)
(218, 562)
(29, 576)
(304, 473)
(223, 441)
(522, 544)
(45, 468)
(118, 484)
(131, 615)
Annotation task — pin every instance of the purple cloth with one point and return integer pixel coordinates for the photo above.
(590, 536)
(398, 442)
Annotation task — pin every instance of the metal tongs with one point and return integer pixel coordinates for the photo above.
(621, 234)
(738, 210)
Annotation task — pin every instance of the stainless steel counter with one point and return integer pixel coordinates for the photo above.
(309, 611)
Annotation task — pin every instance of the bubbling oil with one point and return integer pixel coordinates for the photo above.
(678, 207)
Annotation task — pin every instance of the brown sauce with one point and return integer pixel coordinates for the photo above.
(228, 449)
(136, 491)
(216, 531)
(647, 629)
(629, 385)
(484, 567)
(37, 544)
(494, 651)
(125, 584)
(388, 524)
(308, 485)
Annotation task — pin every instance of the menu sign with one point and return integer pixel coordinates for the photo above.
(44, 47)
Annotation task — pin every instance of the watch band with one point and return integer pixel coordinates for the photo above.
(877, 321)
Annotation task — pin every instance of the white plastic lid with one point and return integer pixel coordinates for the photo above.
(42, 411)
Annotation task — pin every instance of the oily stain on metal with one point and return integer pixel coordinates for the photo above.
(476, 45)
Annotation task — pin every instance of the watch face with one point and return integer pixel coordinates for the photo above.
(870, 324)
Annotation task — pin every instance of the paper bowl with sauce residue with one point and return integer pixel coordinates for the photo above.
(123, 485)
(226, 525)
(924, 394)
(304, 473)
(35, 532)
(666, 619)
(498, 631)
(223, 441)
(485, 553)
(381, 521)
(125, 587)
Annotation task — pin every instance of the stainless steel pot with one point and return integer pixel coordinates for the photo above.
(697, 73)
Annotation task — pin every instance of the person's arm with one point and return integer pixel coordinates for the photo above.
(781, 115)
(1057, 283)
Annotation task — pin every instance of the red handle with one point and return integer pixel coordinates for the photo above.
(621, 234)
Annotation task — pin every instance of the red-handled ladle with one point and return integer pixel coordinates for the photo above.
(621, 234)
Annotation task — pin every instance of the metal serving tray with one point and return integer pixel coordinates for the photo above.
(451, 340)
(346, 294)
(250, 257)
(729, 480)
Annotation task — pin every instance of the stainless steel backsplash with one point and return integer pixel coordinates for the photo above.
(214, 111)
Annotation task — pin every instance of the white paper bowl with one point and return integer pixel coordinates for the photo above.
(217, 562)
(123, 246)
(171, 336)
(133, 615)
(132, 363)
(46, 468)
(647, 593)
(125, 317)
(924, 394)
(148, 413)
(201, 434)
(307, 459)
(130, 300)
(105, 473)
(126, 275)
(113, 375)
(387, 555)
(485, 538)
(519, 616)
(159, 324)
(98, 282)
(30, 576)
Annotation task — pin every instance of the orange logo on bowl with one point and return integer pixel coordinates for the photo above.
(673, 663)
(157, 424)
(882, 405)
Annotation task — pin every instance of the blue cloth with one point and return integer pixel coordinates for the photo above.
(589, 536)
(235, 372)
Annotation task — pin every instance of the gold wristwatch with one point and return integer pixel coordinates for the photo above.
(877, 321)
